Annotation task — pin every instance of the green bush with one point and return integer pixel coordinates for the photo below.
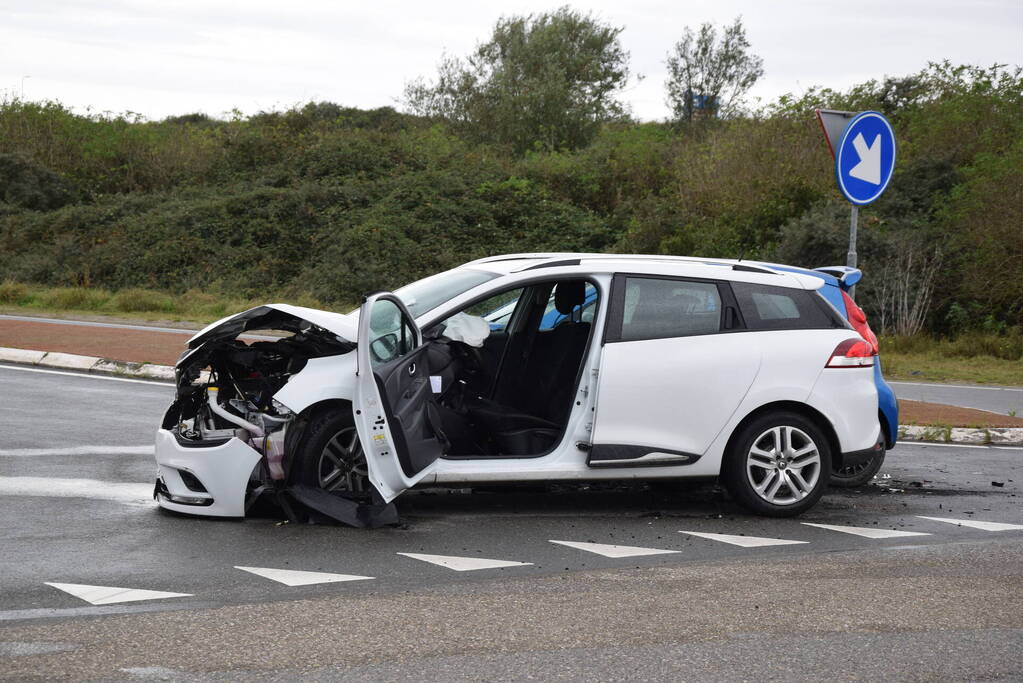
(13, 292)
(75, 298)
(135, 300)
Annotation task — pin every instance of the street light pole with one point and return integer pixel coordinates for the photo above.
(23, 87)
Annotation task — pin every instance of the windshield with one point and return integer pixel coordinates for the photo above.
(427, 294)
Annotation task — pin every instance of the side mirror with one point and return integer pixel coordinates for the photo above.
(384, 348)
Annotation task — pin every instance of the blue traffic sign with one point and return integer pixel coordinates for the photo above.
(865, 157)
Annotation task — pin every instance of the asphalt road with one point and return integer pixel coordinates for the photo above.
(1004, 400)
(75, 473)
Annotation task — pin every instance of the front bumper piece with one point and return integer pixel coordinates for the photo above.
(210, 481)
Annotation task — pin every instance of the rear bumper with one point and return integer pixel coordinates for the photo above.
(209, 481)
(856, 458)
(887, 406)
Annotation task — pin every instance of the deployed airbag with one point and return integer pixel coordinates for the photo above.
(468, 329)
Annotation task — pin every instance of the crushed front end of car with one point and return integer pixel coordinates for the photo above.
(225, 441)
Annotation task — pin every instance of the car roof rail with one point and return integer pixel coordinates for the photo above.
(753, 269)
(554, 264)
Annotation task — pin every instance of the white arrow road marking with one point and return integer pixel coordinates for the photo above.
(976, 523)
(869, 168)
(294, 577)
(120, 492)
(866, 532)
(615, 550)
(108, 595)
(743, 541)
(464, 564)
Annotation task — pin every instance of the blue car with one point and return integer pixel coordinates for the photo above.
(837, 282)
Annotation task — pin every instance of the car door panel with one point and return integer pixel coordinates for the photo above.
(672, 395)
(391, 397)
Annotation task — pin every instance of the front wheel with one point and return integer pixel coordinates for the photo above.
(778, 465)
(330, 457)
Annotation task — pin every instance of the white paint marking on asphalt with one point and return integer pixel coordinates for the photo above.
(109, 595)
(866, 532)
(615, 550)
(743, 541)
(976, 524)
(295, 577)
(78, 450)
(953, 386)
(167, 385)
(48, 487)
(956, 445)
(464, 564)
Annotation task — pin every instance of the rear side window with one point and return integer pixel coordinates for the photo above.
(765, 307)
(656, 308)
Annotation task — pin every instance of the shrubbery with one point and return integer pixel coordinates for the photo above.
(331, 202)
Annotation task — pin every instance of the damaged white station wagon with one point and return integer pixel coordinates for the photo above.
(530, 367)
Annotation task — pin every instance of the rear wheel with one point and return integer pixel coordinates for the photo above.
(778, 465)
(857, 475)
(330, 457)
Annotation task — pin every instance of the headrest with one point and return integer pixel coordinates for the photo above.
(568, 295)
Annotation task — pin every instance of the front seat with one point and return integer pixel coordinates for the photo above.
(547, 385)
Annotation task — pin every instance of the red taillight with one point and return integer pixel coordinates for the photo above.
(858, 319)
(852, 353)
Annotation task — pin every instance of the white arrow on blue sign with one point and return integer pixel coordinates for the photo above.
(865, 157)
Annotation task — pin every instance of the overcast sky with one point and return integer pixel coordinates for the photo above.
(179, 56)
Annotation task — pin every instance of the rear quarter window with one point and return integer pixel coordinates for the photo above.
(765, 307)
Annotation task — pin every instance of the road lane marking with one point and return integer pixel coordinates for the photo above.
(615, 550)
(78, 450)
(976, 524)
(743, 541)
(295, 577)
(464, 564)
(49, 487)
(866, 532)
(168, 385)
(109, 595)
(953, 386)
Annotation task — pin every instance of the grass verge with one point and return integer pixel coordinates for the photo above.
(137, 304)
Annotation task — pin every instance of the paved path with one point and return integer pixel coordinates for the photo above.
(1004, 400)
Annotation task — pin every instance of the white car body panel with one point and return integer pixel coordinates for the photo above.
(848, 397)
(322, 379)
(340, 324)
(223, 469)
(676, 393)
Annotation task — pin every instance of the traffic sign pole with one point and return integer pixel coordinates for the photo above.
(851, 258)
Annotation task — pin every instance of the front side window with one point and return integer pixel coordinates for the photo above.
(390, 333)
(656, 308)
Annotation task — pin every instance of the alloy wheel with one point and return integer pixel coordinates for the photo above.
(783, 465)
(342, 465)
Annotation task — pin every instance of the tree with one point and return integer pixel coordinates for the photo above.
(546, 80)
(710, 77)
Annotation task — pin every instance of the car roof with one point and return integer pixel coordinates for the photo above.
(692, 266)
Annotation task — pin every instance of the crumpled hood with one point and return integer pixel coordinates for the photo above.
(278, 317)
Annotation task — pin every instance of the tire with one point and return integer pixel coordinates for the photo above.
(762, 458)
(330, 457)
(858, 475)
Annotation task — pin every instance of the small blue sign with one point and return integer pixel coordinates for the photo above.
(865, 157)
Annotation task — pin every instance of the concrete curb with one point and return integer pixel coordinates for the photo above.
(1000, 436)
(991, 436)
(90, 364)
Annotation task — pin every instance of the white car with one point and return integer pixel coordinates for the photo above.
(650, 367)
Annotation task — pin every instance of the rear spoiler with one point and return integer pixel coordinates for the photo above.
(846, 276)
